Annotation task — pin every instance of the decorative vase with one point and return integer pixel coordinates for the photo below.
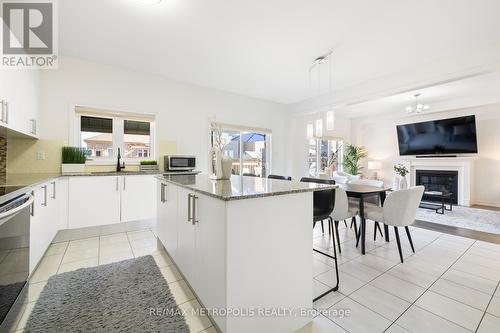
(403, 184)
(395, 183)
(215, 157)
(68, 168)
(227, 167)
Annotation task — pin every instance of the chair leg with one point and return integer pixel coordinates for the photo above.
(409, 238)
(337, 234)
(353, 222)
(399, 243)
(330, 227)
(375, 231)
(314, 224)
(345, 223)
(322, 227)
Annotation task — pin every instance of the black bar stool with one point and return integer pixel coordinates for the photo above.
(323, 204)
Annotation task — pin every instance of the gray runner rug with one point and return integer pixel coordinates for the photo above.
(127, 296)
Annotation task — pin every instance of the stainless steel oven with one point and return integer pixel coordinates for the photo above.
(14, 253)
(180, 162)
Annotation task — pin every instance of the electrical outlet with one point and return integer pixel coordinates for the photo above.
(40, 155)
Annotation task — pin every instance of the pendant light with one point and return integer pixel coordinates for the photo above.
(319, 128)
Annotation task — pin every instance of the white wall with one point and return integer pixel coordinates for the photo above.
(378, 135)
(297, 148)
(182, 110)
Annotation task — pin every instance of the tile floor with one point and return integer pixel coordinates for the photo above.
(72, 255)
(451, 284)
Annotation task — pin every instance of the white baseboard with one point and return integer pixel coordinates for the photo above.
(486, 203)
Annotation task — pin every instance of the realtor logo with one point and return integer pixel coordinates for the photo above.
(29, 36)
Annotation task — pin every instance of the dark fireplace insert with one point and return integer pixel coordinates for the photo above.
(438, 181)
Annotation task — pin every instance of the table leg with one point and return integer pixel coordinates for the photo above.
(386, 227)
(363, 223)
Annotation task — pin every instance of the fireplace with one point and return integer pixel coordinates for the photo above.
(439, 181)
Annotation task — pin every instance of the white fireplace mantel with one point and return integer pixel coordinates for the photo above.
(464, 166)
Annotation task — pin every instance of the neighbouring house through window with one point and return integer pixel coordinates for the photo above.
(324, 151)
(102, 133)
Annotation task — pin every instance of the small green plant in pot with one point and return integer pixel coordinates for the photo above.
(352, 157)
(148, 165)
(73, 160)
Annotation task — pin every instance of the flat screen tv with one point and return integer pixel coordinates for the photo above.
(438, 137)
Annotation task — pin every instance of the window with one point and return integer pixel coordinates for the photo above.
(103, 133)
(323, 152)
(249, 148)
(97, 136)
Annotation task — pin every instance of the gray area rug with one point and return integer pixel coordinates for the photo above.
(464, 217)
(117, 297)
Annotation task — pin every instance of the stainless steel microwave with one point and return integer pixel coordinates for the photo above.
(180, 162)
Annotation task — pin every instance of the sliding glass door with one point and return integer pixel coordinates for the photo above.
(249, 150)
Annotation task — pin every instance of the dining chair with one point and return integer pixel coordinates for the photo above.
(279, 177)
(344, 210)
(317, 196)
(323, 206)
(399, 210)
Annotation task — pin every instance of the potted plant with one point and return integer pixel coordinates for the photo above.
(148, 166)
(400, 171)
(352, 156)
(73, 160)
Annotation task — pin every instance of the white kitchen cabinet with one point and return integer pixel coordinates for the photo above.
(93, 201)
(20, 100)
(101, 200)
(191, 226)
(167, 215)
(186, 244)
(210, 233)
(44, 221)
(61, 197)
(138, 197)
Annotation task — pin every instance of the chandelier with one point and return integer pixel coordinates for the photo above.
(418, 107)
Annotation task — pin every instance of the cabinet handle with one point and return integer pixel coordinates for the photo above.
(195, 218)
(117, 189)
(33, 204)
(124, 182)
(163, 192)
(190, 218)
(33, 126)
(53, 190)
(44, 195)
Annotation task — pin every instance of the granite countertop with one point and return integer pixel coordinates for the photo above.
(14, 185)
(242, 187)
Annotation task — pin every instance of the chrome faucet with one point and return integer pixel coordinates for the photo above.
(118, 166)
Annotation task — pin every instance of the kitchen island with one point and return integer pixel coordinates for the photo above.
(244, 245)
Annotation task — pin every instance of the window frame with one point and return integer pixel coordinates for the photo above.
(317, 160)
(242, 130)
(118, 118)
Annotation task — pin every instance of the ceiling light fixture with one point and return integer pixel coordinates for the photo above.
(418, 107)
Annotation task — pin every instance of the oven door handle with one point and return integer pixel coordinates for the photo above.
(5, 215)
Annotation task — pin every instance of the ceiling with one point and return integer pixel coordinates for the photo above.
(474, 91)
(264, 48)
